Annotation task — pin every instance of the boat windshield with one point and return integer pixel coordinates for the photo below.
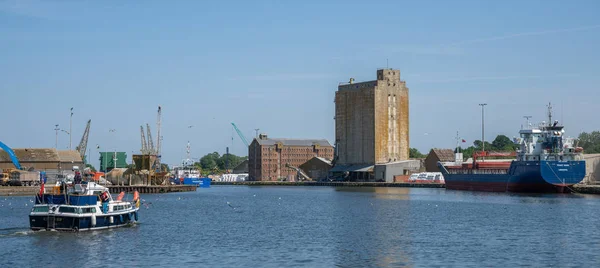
(40, 209)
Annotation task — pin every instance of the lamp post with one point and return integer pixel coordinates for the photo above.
(482, 127)
(67, 132)
(70, 128)
(56, 129)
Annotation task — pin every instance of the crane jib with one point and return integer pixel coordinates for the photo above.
(11, 154)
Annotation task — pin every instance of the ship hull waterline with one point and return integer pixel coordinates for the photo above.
(521, 176)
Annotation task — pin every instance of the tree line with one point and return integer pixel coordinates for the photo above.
(214, 163)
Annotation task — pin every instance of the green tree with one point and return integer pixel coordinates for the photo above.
(503, 143)
(414, 153)
(590, 142)
(477, 145)
(208, 162)
(231, 159)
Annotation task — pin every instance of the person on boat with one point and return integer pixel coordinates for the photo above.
(77, 179)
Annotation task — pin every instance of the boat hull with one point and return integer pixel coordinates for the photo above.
(521, 176)
(82, 223)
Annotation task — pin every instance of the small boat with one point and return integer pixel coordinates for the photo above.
(81, 207)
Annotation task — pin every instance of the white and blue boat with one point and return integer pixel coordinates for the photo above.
(81, 207)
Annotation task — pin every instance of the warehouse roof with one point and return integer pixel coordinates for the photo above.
(41, 155)
(32, 155)
(69, 156)
(295, 142)
(444, 155)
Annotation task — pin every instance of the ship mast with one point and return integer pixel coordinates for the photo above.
(457, 143)
(188, 153)
(549, 114)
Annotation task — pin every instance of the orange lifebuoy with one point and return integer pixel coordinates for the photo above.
(120, 197)
(136, 196)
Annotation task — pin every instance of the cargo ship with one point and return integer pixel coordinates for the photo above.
(545, 161)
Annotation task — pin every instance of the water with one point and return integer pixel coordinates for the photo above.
(323, 227)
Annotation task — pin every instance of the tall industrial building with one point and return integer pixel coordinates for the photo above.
(371, 120)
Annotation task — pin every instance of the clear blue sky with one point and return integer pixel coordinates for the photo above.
(275, 65)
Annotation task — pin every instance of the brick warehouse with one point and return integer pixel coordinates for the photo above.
(268, 159)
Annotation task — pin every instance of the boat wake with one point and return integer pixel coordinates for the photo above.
(12, 232)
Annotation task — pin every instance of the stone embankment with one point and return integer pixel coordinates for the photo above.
(143, 189)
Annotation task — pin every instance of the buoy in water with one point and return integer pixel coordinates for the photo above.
(120, 197)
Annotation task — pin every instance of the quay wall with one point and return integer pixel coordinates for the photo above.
(144, 189)
(334, 184)
(18, 190)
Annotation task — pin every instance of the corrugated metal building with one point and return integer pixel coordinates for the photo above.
(268, 157)
(110, 160)
(386, 172)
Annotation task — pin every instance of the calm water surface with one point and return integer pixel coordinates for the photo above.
(323, 227)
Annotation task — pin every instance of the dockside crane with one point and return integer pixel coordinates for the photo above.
(84, 140)
(144, 149)
(242, 137)
(158, 138)
(150, 147)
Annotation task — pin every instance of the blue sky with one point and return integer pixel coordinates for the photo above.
(275, 65)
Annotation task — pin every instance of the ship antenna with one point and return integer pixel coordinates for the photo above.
(527, 120)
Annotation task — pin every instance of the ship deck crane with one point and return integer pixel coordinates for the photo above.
(150, 146)
(242, 137)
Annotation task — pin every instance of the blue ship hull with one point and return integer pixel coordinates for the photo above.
(521, 176)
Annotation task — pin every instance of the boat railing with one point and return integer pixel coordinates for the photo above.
(477, 171)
